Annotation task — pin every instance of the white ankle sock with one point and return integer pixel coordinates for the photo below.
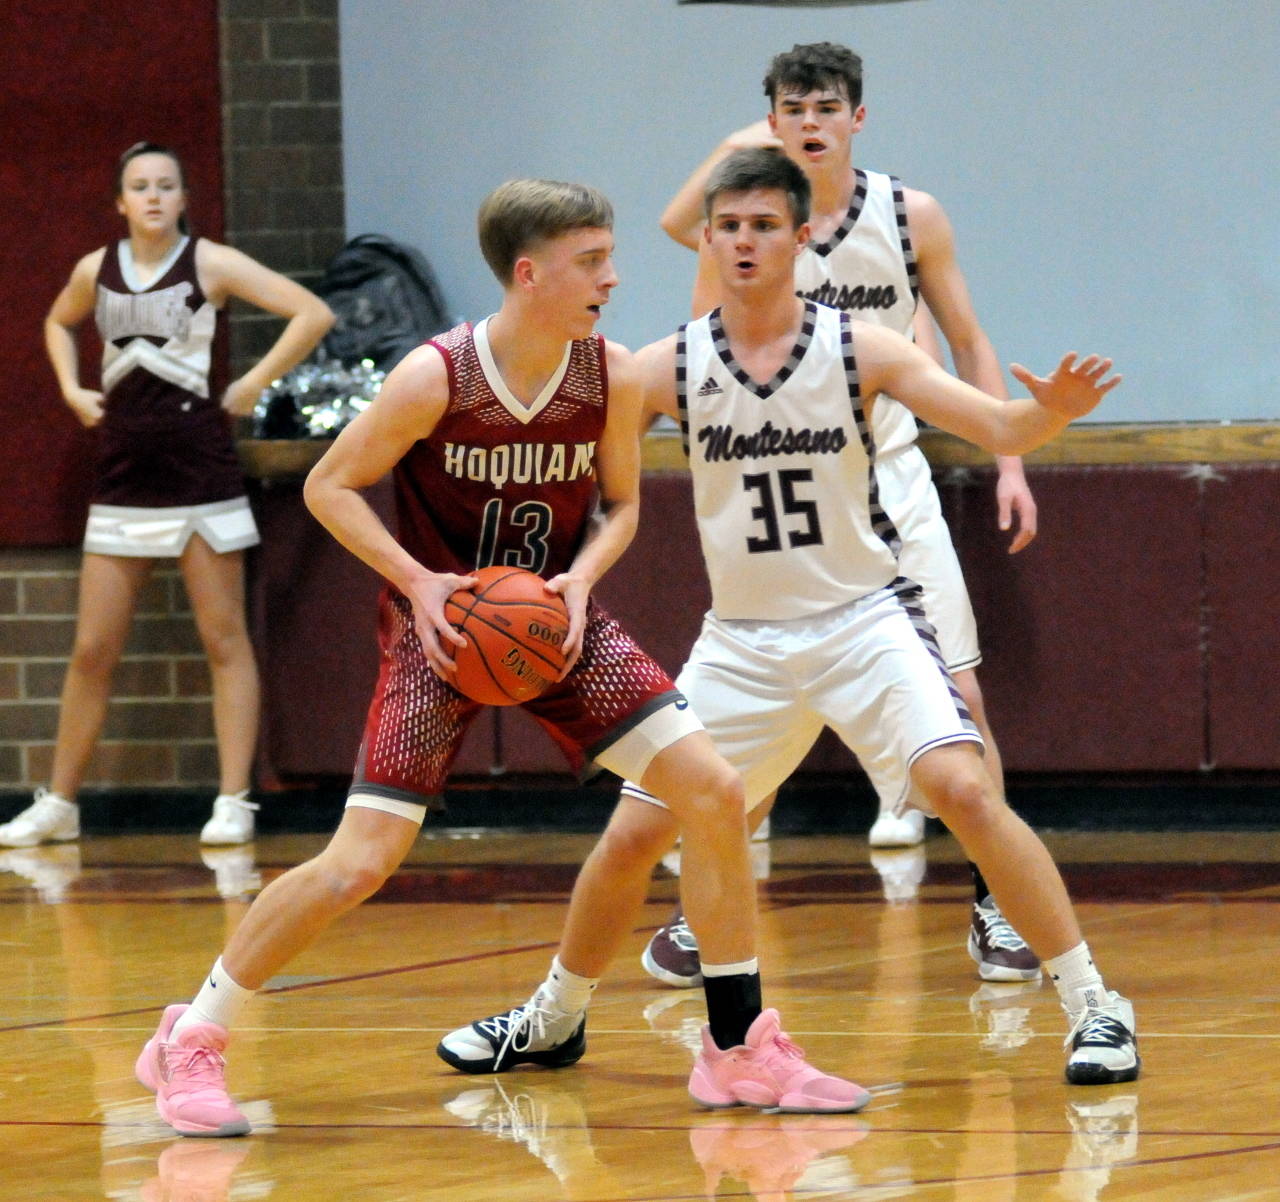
(219, 1001)
(1078, 982)
(570, 992)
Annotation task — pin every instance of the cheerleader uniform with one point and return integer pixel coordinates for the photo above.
(167, 465)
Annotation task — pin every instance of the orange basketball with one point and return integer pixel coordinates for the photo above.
(514, 630)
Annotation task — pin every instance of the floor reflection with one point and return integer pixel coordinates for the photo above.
(776, 1155)
(547, 1117)
(1104, 1134)
(197, 1171)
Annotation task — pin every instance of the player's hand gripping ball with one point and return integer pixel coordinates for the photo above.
(515, 632)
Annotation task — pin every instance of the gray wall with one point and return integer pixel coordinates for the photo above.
(1110, 166)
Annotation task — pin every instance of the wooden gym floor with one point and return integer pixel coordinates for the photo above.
(334, 1062)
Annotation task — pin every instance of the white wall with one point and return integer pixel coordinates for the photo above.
(1110, 166)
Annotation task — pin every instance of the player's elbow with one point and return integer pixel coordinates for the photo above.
(317, 493)
(679, 231)
(319, 317)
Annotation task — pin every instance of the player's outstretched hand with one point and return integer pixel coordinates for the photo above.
(1072, 389)
(575, 591)
(434, 633)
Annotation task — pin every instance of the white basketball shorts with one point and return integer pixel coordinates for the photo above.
(869, 669)
(928, 556)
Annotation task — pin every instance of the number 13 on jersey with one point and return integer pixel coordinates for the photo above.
(529, 522)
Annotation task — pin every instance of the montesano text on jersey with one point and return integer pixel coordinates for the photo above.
(867, 268)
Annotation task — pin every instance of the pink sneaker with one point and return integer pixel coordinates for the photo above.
(769, 1071)
(188, 1077)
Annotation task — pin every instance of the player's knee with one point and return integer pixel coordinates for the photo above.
(716, 796)
(93, 657)
(350, 879)
(964, 798)
(637, 839)
(223, 641)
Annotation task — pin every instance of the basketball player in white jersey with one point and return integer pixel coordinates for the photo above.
(875, 248)
(812, 623)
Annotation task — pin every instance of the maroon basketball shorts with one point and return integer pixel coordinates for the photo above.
(617, 708)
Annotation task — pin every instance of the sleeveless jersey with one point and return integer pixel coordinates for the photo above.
(156, 339)
(499, 482)
(784, 480)
(868, 269)
(163, 440)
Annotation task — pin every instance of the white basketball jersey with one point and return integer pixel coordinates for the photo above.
(784, 480)
(868, 269)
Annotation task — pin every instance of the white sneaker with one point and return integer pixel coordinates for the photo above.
(1103, 1040)
(48, 819)
(232, 820)
(893, 830)
(538, 1032)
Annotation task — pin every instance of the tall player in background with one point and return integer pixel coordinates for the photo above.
(167, 482)
(454, 422)
(875, 247)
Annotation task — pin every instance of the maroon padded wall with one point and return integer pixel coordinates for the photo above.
(82, 80)
(1091, 637)
(1136, 635)
(1242, 599)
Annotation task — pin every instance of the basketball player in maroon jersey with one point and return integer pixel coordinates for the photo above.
(501, 437)
(167, 481)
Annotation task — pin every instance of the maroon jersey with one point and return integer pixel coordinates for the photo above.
(500, 482)
(164, 440)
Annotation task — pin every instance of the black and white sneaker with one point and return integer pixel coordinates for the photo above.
(1000, 953)
(1103, 1041)
(536, 1033)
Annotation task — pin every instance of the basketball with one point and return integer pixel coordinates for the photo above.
(514, 630)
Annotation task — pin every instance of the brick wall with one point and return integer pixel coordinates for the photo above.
(282, 135)
(159, 729)
(284, 206)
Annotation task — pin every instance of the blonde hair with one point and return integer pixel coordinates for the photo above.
(517, 215)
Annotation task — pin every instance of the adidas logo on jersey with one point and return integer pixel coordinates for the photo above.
(710, 388)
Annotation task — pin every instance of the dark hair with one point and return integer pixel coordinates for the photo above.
(141, 148)
(522, 212)
(815, 65)
(748, 170)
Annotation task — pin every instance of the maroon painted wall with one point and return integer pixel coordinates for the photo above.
(82, 80)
